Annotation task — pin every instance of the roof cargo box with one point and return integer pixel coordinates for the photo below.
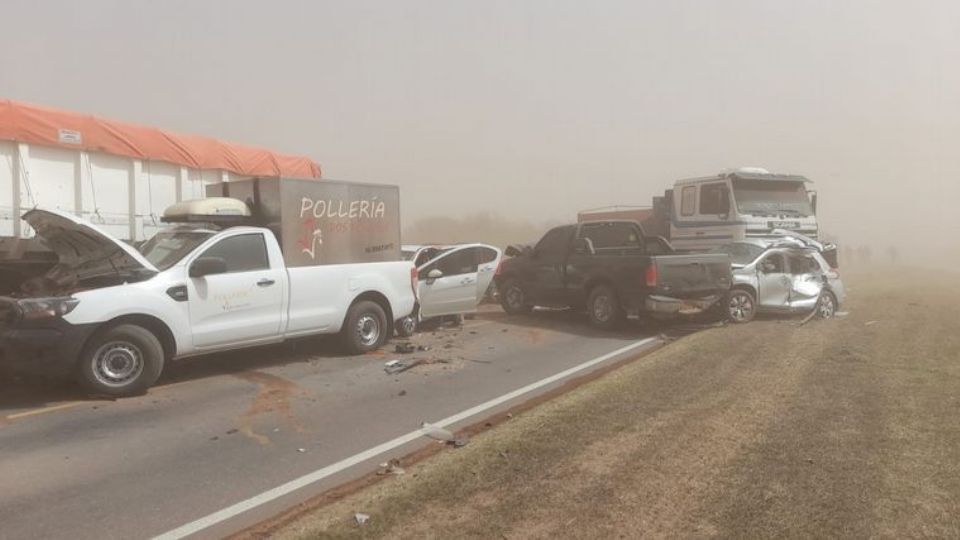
(321, 222)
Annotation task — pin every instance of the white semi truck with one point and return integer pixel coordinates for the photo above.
(698, 214)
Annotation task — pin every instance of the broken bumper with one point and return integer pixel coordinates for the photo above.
(51, 349)
(665, 305)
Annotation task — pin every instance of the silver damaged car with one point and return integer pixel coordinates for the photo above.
(782, 274)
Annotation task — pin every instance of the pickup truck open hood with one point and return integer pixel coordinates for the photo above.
(81, 244)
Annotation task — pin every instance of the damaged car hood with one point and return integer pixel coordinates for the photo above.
(80, 244)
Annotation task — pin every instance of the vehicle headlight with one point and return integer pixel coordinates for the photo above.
(47, 308)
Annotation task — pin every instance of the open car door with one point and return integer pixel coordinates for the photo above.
(454, 282)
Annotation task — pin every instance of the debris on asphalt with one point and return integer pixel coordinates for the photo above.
(361, 519)
(480, 361)
(445, 436)
(841, 314)
(391, 467)
(870, 323)
(232, 431)
(396, 366)
(301, 450)
(405, 348)
(436, 432)
(423, 348)
(402, 393)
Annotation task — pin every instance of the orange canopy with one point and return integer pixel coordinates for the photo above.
(50, 127)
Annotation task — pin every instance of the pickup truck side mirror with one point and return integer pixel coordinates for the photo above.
(206, 266)
(436, 273)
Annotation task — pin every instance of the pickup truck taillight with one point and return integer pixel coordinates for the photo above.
(651, 275)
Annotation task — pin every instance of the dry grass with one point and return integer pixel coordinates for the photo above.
(836, 428)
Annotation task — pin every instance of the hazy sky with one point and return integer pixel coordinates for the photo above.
(536, 109)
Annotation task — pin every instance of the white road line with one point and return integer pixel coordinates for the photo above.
(311, 478)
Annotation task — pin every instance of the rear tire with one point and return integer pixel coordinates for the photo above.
(741, 306)
(122, 361)
(407, 326)
(365, 328)
(604, 309)
(513, 298)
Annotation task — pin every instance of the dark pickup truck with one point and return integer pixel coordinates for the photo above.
(611, 269)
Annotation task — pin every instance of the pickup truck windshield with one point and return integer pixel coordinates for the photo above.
(166, 248)
(764, 197)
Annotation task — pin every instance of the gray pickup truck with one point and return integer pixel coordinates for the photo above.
(610, 268)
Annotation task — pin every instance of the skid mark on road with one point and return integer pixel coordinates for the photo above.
(273, 396)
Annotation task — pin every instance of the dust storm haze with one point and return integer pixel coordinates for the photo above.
(496, 118)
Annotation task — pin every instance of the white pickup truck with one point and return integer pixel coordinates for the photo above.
(114, 315)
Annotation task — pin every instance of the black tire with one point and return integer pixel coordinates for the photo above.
(741, 306)
(407, 326)
(513, 299)
(365, 328)
(121, 361)
(604, 309)
(826, 305)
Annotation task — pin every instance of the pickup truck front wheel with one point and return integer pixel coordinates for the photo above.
(513, 298)
(365, 328)
(603, 308)
(122, 361)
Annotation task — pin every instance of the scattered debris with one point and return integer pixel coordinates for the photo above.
(870, 323)
(215, 438)
(480, 361)
(436, 432)
(301, 450)
(391, 467)
(361, 519)
(402, 393)
(841, 314)
(396, 366)
(423, 348)
(443, 435)
(232, 431)
(405, 348)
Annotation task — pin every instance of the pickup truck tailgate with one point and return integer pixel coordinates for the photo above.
(688, 276)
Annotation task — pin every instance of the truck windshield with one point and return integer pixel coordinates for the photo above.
(765, 197)
(166, 248)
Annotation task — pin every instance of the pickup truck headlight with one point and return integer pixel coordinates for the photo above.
(46, 308)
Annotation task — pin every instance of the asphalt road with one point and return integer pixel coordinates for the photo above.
(222, 429)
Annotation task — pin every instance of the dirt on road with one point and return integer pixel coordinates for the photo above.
(848, 427)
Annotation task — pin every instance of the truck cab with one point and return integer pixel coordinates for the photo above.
(732, 206)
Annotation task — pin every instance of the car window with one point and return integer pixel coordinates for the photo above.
(485, 255)
(778, 262)
(243, 253)
(803, 264)
(688, 200)
(554, 244)
(611, 235)
(456, 263)
(713, 199)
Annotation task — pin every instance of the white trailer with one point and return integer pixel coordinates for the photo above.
(117, 176)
